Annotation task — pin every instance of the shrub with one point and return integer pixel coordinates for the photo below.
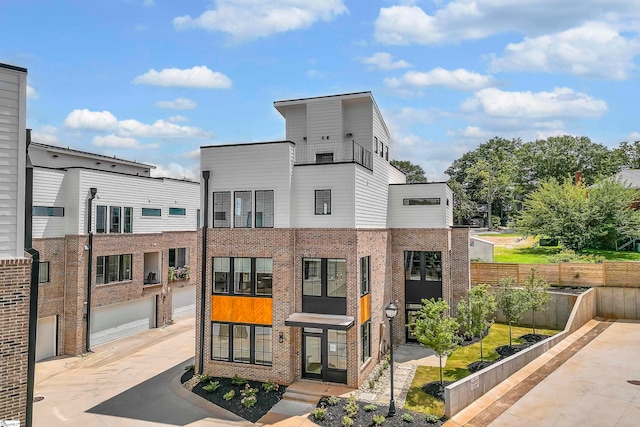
(406, 417)
(432, 419)
(385, 364)
(378, 419)
(270, 386)
(372, 383)
(568, 255)
(351, 409)
(203, 378)
(249, 401)
(332, 400)
(347, 422)
(319, 414)
(212, 386)
(230, 395)
(370, 408)
(248, 391)
(190, 368)
(236, 380)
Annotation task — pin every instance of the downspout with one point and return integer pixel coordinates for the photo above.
(93, 191)
(33, 285)
(203, 268)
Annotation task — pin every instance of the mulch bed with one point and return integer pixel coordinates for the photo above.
(266, 400)
(507, 350)
(363, 418)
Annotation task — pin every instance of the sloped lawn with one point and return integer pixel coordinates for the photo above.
(456, 366)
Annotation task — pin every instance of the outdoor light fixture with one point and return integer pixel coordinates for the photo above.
(391, 311)
(281, 338)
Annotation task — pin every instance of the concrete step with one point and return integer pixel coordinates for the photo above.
(302, 397)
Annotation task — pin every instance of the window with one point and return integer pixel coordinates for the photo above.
(423, 266)
(324, 158)
(101, 219)
(322, 274)
(113, 268)
(197, 218)
(48, 211)
(386, 153)
(365, 341)
(115, 219)
(177, 211)
(365, 275)
(415, 201)
(337, 349)
(251, 344)
(251, 276)
(312, 282)
(323, 202)
(375, 144)
(242, 217)
(222, 209)
(151, 212)
(382, 149)
(178, 257)
(264, 209)
(43, 276)
(337, 278)
(128, 220)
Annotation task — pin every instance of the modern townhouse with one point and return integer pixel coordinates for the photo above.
(115, 248)
(305, 242)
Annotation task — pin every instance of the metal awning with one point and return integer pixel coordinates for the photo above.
(315, 320)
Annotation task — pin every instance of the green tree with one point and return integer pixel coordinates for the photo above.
(478, 313)
(512, 302)
(435, 329)
(414, 173)
(537, 295)
(628, 154)
(463, 206)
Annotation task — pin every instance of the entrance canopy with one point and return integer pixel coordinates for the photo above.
(315, 320)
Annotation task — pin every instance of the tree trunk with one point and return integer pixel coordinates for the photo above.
(481, 355)
(490, 225)
(441, 380)
(534, 321)
(510, 343)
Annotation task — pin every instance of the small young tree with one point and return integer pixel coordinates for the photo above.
(478, 313)
(435, 329)
(537, 295)
(512, 302)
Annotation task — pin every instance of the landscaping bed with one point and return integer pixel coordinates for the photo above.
(265, 396)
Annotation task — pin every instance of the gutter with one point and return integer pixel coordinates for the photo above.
(203, 268)
(93, 191)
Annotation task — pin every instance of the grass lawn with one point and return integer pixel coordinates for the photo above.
(539, 254)
(456, 367)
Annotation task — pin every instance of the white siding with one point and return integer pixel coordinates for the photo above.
(296, 123)
(436, 216)
(13, 88)
(340, 179)
(357, 120)
(371, 197)
(396, 177)
(48, 190)
(251, 167)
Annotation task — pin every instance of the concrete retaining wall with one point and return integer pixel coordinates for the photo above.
(462, 393)
(618, 303)
(554, 317)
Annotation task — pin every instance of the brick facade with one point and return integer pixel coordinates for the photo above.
(15, 277)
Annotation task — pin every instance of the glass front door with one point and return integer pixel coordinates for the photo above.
(312, 353)
(324, 355)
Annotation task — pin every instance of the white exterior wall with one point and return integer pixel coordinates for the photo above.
(396, 177)
(436, 216)
(340, 179)
(13, 95)
(251, 167)
(357, 119)
(48, 190)
(296, 124)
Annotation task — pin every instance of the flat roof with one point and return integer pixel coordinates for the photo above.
(243, 144)
(89, 154)
(13, 67)
(352, 94)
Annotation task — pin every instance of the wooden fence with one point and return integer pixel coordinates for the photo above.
(608, 273)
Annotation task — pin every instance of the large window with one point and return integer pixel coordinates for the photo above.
(115, 219)
(47, 211)
(43, 276)
(242, 213)
(324, 285)
(250, 344)
(337, 349)
(337, 278)
(178, 257)
(312, 279)
(365, 340)
(222, 209)
(128, 220)
(101, 219)
(323, 202)
(113, 268)
(264, 209)
(251, 276)
(365, 275)
(424, 266)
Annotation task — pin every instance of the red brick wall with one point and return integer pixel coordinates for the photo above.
(15, 276)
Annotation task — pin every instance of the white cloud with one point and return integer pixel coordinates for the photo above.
(177, 104)
(178, 119)
(147, 3)
(595, 49)
(194, 154)
(634, 136)
(31, 92)
(473, 19)
(384, 61)
(562, 102)
(251, 19)
(459, 79)
(199, 76)
(434, 156)
(91, 120)
(114, 141)
(175, 170)
(45, 135)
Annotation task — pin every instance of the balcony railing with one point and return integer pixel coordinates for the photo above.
(333, 152)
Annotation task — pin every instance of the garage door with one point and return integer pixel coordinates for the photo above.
(183, 302)
(46, 338)
(116, 321)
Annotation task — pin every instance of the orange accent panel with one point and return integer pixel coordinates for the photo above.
(365, 308)
(241, 309)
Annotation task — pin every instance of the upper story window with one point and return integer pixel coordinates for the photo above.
(264, 209)
(115, 219)
(242, 213)
(324, 277)
(382, 149)
(113, 268)
(386, 153)
(101, 219)
(365, 275)
(48, 211)
(222, 209)
(128, 220)
(375, 144)
(251, 276)
(324, 157)
(416, 201)
(323, 202)
(423, 266)
(177, 211)
(178, 257)
(197, 218)
(43, 270)
(152, 212)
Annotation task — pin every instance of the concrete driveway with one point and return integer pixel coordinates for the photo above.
(124, 383)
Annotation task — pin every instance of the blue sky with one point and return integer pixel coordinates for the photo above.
(153, 80)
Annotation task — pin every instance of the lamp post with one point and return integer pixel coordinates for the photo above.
(391, 310)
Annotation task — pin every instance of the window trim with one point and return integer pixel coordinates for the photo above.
(246, 215)
(365, 350)
(231, 277)
(106, 263)
(151, 212)
(177, 211)
(127, 223)
(44, 264)
(115, 212)
(322, 193)
(102, 228)
(262, 212)
(227, 212)
(230, 342)
(365, 285)
(48, 211)
(421, 201)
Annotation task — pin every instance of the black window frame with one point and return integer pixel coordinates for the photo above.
(43, 265)
(231, 350)
(230, 282)
(324, 158)
(365, 341)
(375, 144)
(323, 303)
(320, 201)
(115, 216)
(264, 217)
(177, 211)
(220, 201)
(151, 212)
(127, 223)
(421, 201)
(53, 211)
(175, 254)
(245, 217)
(101, 219)
(365, 275)
(103, 263)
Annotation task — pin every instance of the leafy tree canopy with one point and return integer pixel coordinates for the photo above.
(414, 173)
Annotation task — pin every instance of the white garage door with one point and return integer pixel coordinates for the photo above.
(46, 337)
(115, 321)
(183, 302)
